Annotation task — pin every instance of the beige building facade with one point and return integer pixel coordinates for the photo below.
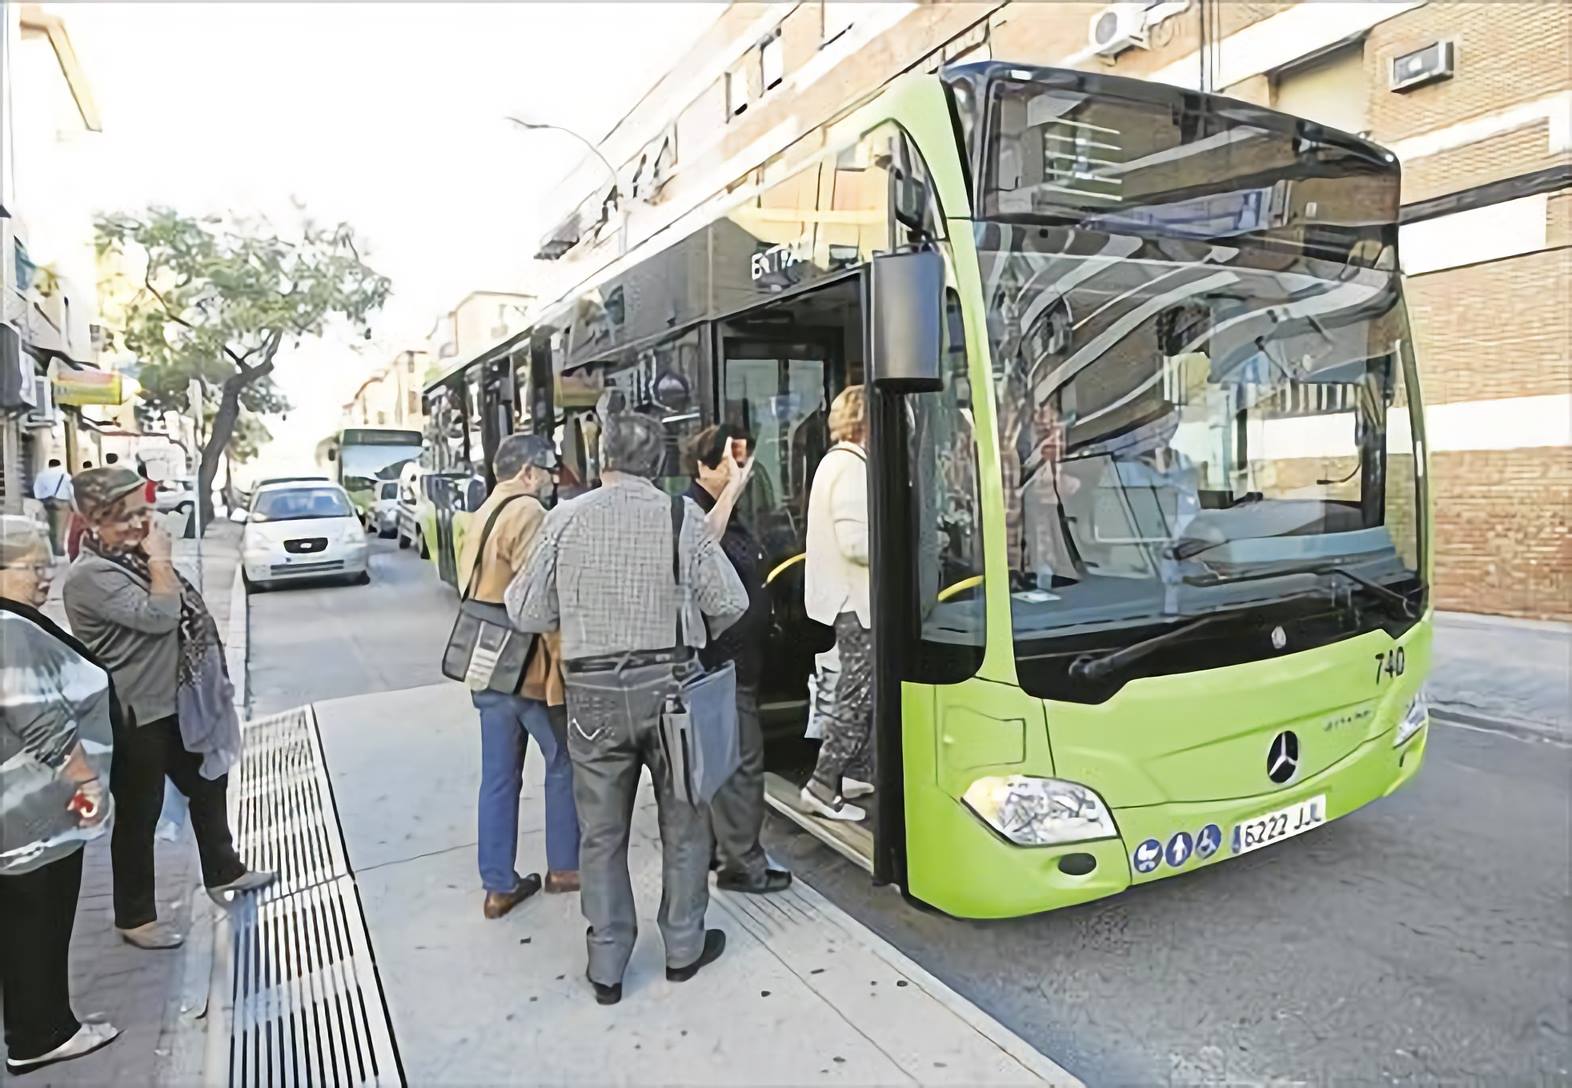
(1475, 99)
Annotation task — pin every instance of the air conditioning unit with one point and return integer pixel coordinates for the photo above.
(1118, 27)
(1431, 64)
(43, 411)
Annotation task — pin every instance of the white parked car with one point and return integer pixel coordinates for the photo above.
(382, 517)
(297, 531)
(175, 493)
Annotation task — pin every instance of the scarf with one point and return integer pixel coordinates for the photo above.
(204, 695)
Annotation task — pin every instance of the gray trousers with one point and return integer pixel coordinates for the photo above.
(613, 732)
(737, 812)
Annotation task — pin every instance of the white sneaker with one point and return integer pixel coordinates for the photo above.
(846, 811)
(855, 787)
(88, 1038)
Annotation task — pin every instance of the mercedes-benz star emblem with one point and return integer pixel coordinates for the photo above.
(1282, 758)
(1279, 638)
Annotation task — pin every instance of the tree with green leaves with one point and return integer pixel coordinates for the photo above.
(218, 297)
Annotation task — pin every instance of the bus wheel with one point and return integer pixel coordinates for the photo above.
(403, 541)
(420, 538)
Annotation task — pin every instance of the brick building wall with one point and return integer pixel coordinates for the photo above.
(1490, 285)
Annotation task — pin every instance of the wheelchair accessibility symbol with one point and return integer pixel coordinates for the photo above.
(1208, 841)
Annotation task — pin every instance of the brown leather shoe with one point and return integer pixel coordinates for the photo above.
(558, 883)
(499, 903)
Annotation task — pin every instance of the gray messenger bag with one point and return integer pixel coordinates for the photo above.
(485, 651)
(698, 723)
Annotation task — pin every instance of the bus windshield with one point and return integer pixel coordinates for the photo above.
(1181, 421)
(363, 464)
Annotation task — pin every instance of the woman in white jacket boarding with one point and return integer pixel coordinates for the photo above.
(836, 594)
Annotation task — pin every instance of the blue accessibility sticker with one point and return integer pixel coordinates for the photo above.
(1147, 857)
(1179, 849)
(1208, 841)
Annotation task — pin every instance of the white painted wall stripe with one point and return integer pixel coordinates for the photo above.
(1507, 229)
(1556, 109)
(1282, 39)
(1512, 423)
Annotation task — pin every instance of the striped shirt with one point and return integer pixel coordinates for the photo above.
(601, 571)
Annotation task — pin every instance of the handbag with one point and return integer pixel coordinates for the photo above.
(698, 721)
(484, 649)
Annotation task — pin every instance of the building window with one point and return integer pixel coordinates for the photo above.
(736, 93)
(1331, 89)
(838, 18)
(772, 63)
(414, 404)
(410, 358)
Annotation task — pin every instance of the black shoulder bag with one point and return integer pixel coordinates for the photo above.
(484, 649)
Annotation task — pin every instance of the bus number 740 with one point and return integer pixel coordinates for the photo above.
(1391, 664)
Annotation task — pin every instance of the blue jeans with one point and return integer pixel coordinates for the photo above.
(506, 724)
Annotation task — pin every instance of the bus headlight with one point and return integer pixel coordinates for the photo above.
(1040, 811)
(1414, 719)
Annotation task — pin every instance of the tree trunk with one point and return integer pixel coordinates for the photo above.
(217, 443)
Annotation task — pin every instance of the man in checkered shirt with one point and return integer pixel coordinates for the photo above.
(602, 573)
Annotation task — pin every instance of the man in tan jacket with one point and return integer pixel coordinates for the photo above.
(525, 466)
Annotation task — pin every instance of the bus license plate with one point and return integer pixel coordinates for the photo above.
(1285, 823)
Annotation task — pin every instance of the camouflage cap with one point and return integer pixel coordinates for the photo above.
(98, 490)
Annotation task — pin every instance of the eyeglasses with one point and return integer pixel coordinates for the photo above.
(40, 571)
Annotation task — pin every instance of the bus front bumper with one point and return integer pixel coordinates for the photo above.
(1002, 880)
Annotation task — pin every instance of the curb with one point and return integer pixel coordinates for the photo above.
(186, 1021)
(237, 647)
(195, 1033)
(1512, 727)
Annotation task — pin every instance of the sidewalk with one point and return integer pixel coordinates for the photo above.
(1504, 674)
(803, 995)
(140, 992)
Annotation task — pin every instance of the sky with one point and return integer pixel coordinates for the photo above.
(387, 115)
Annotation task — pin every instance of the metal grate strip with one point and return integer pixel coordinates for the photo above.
(307, 1002)
(286, 820)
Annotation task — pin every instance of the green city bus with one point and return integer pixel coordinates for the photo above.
(358, 458)
(1150, 537)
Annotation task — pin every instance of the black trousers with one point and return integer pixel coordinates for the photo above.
(37, 911)
(737, 812)
(144, 756)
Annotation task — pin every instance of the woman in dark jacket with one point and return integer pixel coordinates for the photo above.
(737, 812)
(56, 707)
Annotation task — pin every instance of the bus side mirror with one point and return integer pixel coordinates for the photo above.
(906, 314)
(332, 455)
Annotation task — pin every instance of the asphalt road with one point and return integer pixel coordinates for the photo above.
(1426, 938)
(311, 642)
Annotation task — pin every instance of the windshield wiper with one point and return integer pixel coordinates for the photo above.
(1095, 668)
(1384, 592)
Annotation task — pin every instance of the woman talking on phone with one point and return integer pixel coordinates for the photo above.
(152, 630)
(56, 708)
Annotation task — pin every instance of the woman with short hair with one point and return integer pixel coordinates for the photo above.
(835, 592)
(153, 630)
(56, 708)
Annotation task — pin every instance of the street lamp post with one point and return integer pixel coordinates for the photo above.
(616, 182)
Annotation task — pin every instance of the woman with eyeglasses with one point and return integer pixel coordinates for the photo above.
(56, 708)
(152, 629)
